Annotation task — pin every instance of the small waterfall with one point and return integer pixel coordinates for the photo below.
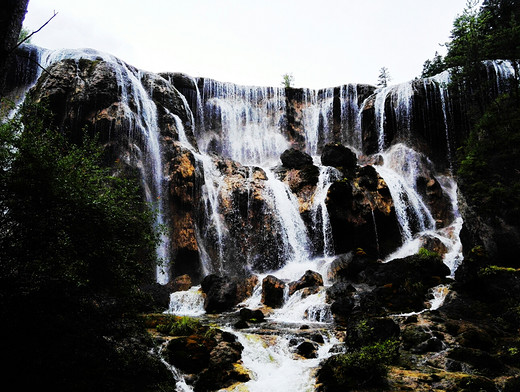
(187, 303)
(379, 106)
(319, 212)
(296, 243)
(442, 80)
(504, 71)
(243, 123)
(350, 111)
(274, 367)
(400, 170)
(142, 122)
(317, 117)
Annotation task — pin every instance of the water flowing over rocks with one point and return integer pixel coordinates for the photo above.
(302, 214)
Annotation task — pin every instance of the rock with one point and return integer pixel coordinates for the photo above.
(221, 371)
(191, 354)
(245, 287)
(309, 279)
(295, 159)
(241, 324)
(366, 331)
(221, 293)
(181, 283)
(251, 315)
(307, 350)
(481, 360)
(273, 291)
(338, 290)
(337, 155)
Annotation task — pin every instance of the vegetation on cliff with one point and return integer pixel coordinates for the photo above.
(75, 244)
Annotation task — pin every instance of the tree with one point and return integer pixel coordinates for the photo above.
(384, 77)
(75, 245)
(433, 67)
(287, 80)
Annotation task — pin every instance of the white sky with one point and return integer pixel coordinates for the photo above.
(322, 43)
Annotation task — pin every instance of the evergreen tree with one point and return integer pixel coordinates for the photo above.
(383, 78)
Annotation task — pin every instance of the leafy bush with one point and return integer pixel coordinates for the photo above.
(75, 244)
(182, 326)
(365, 367)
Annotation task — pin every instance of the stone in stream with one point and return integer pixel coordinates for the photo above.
(273, 291)
(309, 279)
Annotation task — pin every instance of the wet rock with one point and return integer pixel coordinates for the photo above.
(222, 371)
(480, 360)
(241, 324)
(245, 287)
(181, 283)
(340, 289)
(365, 331)
(363, 218)
(368, 178)
(191, 354)
(273, 291)
(221, 293)
(307, 350)
(251, 315)
(337, 155)
(295, 159)
(309, 279)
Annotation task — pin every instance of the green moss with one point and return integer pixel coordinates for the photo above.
(492, 270)
(183, 326)
(426, 254)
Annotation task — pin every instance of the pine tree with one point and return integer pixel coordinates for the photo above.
(384, 77)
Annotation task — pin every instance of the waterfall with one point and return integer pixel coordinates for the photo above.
(317, 117)
(350, 111)
(274, 368)
(442, 80)
(379, 105)
(400, 169)
(503, 72)
(319, 212)
(246, 122)
(296, 241)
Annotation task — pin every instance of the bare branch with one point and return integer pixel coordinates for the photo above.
(34, 32)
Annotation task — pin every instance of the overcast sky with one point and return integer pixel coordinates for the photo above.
(322, 43)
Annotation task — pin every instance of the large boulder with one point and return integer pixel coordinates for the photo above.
(337, 155)
(295, 159)
(309, 279)
(273, 291)
(221, 293)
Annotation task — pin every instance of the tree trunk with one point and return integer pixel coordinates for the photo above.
(11, 20)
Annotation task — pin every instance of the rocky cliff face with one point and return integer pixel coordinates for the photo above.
(217, 177)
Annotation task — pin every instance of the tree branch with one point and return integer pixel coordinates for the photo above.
(34, 32)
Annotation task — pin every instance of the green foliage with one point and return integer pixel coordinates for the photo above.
(24, 34)
(287, 80)
(183, 326)
(65, 219)
(426, 254)
(434, 66)
(489, 161)
(75, 244)
(364, 367)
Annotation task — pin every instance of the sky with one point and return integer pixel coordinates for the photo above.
(322, 43)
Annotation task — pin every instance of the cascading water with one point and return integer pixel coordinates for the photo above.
(319, 212)
(246, 125)
(400, 171)
(141, 122)
(380, 103)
